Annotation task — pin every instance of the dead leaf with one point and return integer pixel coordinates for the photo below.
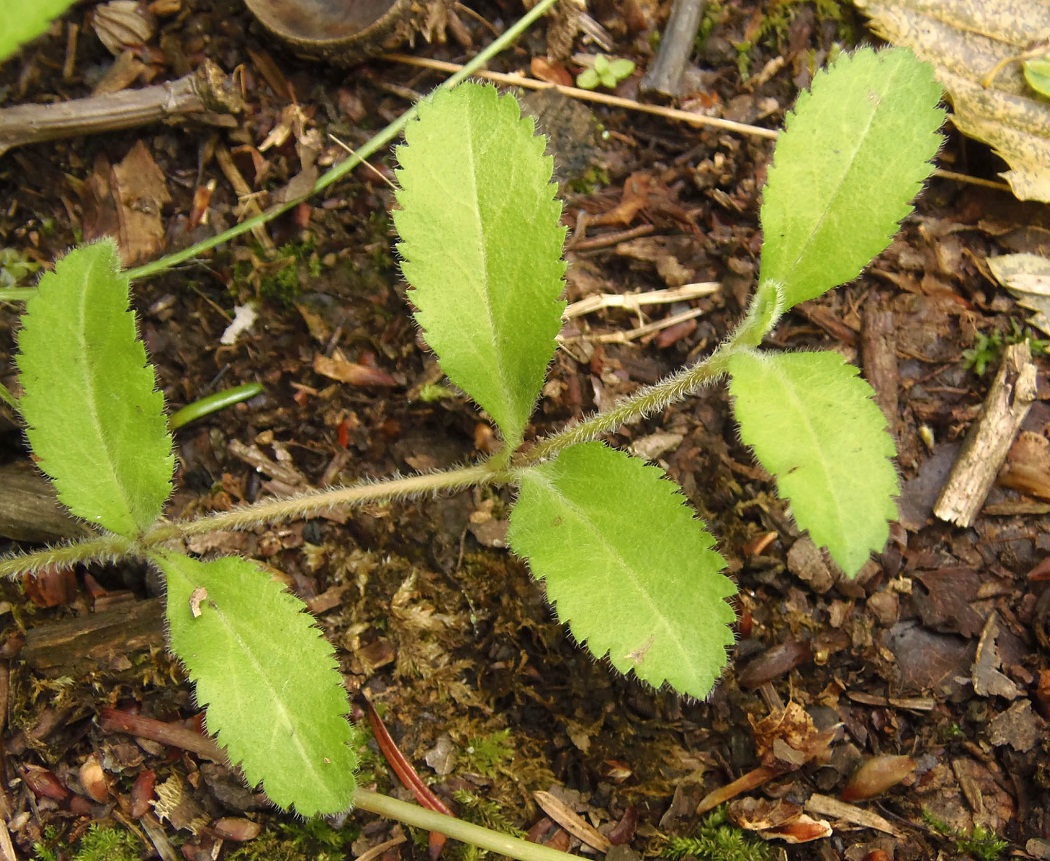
(1027, 277)
(338, 367)
(140, 190)
(967, 42)
(1027, 466)
(987, 679)
(788, 739)
(777, 820)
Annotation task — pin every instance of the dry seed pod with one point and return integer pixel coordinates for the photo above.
(93, 780)
(346, 31)
(123, 24)
(876, 776)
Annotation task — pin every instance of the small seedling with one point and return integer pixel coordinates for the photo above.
(626, 563)
(605, 72)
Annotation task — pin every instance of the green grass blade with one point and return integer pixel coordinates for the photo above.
(813, 424)
(95, 419)
(854, 153)
(274, 695)
(628, 567)
(481, 243)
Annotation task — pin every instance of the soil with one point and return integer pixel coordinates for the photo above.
(937, 652)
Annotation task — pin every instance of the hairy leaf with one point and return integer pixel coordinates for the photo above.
(20, 22)
(274, 695)
(95, 420)
(855, 151)
(627, 565)
(481, 246)
(812, 424)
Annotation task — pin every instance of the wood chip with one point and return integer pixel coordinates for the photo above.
(571, 821)
(825, 805)
(989, 440)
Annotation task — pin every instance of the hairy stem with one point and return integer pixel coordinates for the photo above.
(677, 387)
(107, 548)
(337, 172)
(457, 829)
(498, 470)
(326, 499)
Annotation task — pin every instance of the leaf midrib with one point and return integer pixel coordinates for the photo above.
(597, 532)
(833, 198)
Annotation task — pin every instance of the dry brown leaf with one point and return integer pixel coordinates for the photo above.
(1027, 277)
(965, 41)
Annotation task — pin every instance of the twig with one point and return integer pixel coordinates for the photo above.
(635, 301)
(984, 451)
(824, 805)
(588, 96)
(644, 330)
(665, 73)
(206, 91)
(169, 734)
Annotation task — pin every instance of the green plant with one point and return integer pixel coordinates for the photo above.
(98, 843)
(626, 564)
(293, 841)
(987, 350)
(979, 842)
(717, 840)
(604, 73)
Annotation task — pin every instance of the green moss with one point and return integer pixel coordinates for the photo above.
(279, 277)
(774, 27)
(980, 843)
(717, 840)
(487, 754)
(99, 843)
(294, 840)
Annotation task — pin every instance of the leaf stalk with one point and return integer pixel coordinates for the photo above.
(457, 829)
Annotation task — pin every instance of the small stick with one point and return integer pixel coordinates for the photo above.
(206, 91)
(984, 451)
(170, 734)
(665, 73)
(752, 780)
(635, 301)
(589, 96)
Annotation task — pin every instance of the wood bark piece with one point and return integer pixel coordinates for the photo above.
(984, 451)
(29, 508)
(665, 73)
(878, 345)
(77, 647)
(349, 31)
(207, 95)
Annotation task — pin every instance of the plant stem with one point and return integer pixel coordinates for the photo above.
(759, 320)
(107, 548)
(326, 499)
(457, 829)
(337, 172)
